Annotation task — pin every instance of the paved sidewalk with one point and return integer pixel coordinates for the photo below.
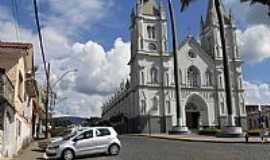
(32, 152)
(202, 138)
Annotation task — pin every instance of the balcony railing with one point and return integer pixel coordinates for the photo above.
(6, 89)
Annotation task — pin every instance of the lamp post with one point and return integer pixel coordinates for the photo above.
(179, 128)
(59, 80)
(62, 76)
(52, 93)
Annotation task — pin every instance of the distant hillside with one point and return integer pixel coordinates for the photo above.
(67, 120)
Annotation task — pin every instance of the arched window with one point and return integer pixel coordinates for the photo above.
(167, 79)
(143, 106)
(142, 77)
(208, 76)
(220, 82)
(154, 75)
(194, 77)
(151, 32)
(180, 76)
(222, 106)
(240, 83)
(168, 104)
(155, 104)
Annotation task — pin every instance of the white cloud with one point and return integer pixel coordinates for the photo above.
(254, 37)
(257, 93)
(248, 14)
(254, 43)
(101, 72)
(73, 15)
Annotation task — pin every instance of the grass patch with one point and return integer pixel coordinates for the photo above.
(254, 132)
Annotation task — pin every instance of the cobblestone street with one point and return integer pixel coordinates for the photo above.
(141, 148)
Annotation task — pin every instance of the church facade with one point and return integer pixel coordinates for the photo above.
(147, 100)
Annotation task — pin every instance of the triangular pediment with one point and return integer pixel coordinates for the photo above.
(195, 47)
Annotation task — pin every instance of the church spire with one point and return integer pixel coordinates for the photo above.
(211, 17)
(149, 7)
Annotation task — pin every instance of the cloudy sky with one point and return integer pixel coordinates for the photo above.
(92, 36)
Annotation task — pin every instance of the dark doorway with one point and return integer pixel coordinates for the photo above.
(192, 119)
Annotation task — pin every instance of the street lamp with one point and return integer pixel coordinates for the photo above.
(53, 94)
(62, 76)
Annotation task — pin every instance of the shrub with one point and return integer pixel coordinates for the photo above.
(209, 131)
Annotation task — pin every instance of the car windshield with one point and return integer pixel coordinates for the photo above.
(70, 135)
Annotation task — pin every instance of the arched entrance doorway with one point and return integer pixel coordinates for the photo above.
(196, 112)
(192, 116)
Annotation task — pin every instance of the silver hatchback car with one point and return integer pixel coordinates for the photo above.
(83, 142)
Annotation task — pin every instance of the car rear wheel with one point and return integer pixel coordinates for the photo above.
(114, 149)
(68, 154)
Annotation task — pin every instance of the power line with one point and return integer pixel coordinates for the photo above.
(40, 37)
(14, 7)
(18, 18)
(47, 70)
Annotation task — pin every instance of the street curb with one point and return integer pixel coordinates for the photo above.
(197, 140)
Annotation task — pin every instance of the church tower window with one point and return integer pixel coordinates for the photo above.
(193, 77)
(151, 32)
(154, 75)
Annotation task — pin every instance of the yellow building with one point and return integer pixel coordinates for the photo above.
(19, 91)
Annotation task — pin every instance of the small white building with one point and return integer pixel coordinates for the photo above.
(149, 100)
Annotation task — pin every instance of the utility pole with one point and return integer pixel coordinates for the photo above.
(44, 64)
(47, 99)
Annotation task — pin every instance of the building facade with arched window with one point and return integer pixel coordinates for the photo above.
(150, 99)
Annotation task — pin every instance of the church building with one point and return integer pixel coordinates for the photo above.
(147, 100)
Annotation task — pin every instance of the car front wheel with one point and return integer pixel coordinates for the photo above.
(68, 154)
(114, 149)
